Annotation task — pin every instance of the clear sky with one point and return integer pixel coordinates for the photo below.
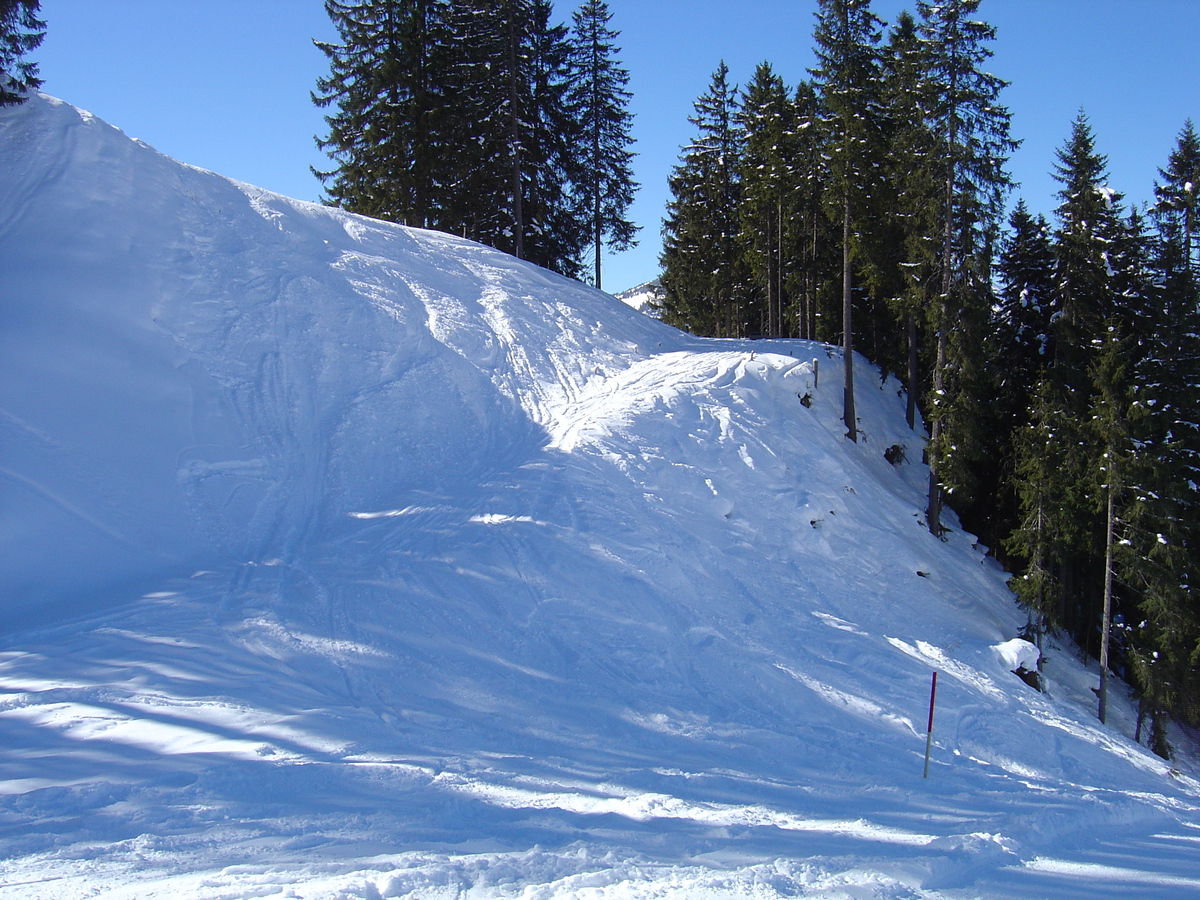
(224, 84)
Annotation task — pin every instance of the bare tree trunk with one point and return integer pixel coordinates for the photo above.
(847, 330)
(1106, 625)
(910, 412)
(514, 138)
(933, 512)
(780, 330)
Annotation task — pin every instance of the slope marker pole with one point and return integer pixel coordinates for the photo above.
(929, 731)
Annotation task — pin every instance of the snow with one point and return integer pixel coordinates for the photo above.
(641, 296)
(344, 560)
(1017, 654)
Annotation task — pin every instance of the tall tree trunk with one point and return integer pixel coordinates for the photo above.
(782, 329)
(847, 330)
(514, 137)
(1106, 625)
(597, 225)
(933, 512)
(910, 411)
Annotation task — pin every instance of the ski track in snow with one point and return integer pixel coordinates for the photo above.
(344, 560)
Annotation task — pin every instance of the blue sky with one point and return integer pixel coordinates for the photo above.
(224, 84)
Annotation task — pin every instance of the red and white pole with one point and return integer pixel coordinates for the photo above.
(929, 730)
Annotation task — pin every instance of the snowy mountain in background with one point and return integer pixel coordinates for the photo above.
(345, 560)
(639, 297)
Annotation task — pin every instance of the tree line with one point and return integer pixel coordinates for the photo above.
(1057, 365)
(482, 118)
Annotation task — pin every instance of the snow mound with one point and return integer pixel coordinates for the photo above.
(1017, 654)
(347, 560)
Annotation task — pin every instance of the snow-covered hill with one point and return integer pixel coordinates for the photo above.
(344, 560)
(639, 297)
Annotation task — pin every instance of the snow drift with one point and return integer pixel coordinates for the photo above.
(361, 561)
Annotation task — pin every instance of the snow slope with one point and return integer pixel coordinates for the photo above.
(344, 560)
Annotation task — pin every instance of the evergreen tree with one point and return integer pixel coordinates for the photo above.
(912, 195)
(815, 249)
(606, 182)
(1160, 558)
(485, 63)
(459, 115)
(847, 78)
(383, 134)
(21, 31)
(1051, 478)
(973, 144)
(1175, 196)
(1089, 224)
(701, 280)
(1109, 424)
(556, 220)
(1099, 342)
(767, 195)
(1023, 313)
(1020, 347)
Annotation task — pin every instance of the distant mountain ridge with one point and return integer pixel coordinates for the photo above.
(639, 296)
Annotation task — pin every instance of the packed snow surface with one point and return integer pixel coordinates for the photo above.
(344, 560)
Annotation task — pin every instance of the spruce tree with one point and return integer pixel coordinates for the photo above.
(1020, 347)
(1114, 443)
(606, 184)
(1089, 223)
(459, 115)
(1022, 317)
(767, 180)
(1160, 558)
(912, 194)
(556, 219)
(973, 145)
(1051, 479)
(21, 31)
(702, 280)
(383, 137)
(815, 249)
(1175, 199)
(847, 35)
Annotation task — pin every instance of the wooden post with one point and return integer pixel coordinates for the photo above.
(929, 731)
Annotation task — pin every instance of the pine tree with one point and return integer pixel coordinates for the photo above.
(767, 195)
(1020, 347)
(972, 131)
(1089, 223)
(1100, 339)
(1160, 559)
(1026, 304)
(847, 78)
(1109, 424)
(459, 115)
(1051, 479)
(702, 280)
(383, 88)
(912, 194)
(815, 247)
(606, 180)
(21, 31)
(556, 219)
(1175, 195)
